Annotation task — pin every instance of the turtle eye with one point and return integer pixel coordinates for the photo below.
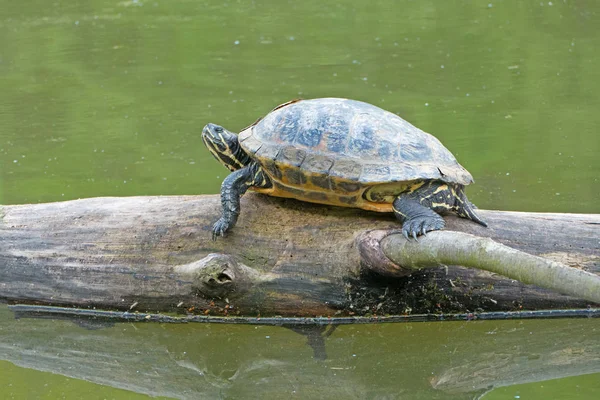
(219, 129)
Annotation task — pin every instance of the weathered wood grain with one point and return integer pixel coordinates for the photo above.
(283, 258)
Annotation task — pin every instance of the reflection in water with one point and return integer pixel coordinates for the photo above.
(316, 335)
(449, 360)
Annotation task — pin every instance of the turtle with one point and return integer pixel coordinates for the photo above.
(346, 153)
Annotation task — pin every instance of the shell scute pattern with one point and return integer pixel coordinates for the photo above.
(348, 187)
(322, 181)
(375, 173)
(310, 138)
(294, 177)
(292, 156)
(250, 144)
(416, 148)
(338, 140)
(336, 128)
(267, 152)
(347, 169)
(363, 137)
(318, 163)
(285, 127)
(385, 152)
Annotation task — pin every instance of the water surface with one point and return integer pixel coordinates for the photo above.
(107, 98)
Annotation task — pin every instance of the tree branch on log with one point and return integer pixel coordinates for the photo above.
(442, 248)
(284, 257)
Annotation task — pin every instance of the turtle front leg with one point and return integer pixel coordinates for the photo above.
(418, 206)
(232, 188)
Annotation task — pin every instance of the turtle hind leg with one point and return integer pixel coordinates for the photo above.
(416, 218)
(419, 206)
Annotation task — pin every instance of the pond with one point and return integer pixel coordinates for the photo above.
(108, 98)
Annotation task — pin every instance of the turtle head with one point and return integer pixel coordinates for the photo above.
(225, 147)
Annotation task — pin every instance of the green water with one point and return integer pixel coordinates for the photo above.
(104, 98)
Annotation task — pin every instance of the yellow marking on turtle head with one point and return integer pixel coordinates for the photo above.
(214, 141)
(227, 152)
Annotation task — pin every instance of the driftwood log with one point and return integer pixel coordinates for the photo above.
(283, 258)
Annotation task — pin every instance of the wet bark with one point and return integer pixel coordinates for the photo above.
(283, 258)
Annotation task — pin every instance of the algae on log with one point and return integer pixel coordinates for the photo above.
(284, 257)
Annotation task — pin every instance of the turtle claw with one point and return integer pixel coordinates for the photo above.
(410, 228)
(420, 226)
(423, 228)
(219, 228)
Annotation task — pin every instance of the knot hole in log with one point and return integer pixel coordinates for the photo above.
(222, 278)
(218, 276)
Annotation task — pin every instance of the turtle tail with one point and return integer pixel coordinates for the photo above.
(465, 208)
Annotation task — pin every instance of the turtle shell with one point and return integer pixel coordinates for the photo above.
(334, 141)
